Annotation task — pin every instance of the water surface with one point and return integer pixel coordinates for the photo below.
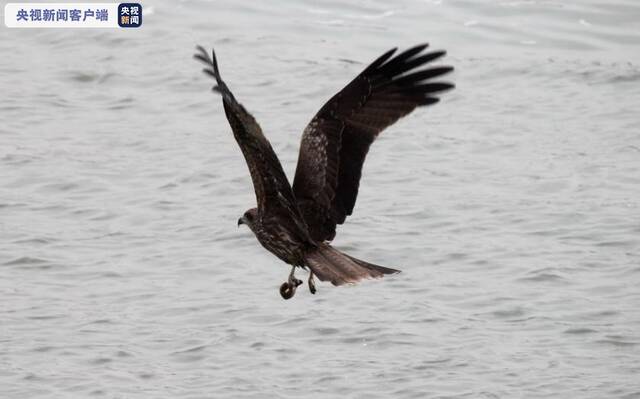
(512, 207)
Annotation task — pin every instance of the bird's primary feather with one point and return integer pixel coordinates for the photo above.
(336, 141)
(273, 191)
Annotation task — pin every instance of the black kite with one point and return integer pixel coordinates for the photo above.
(297, 223)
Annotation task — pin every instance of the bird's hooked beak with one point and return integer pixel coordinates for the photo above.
(241, 221)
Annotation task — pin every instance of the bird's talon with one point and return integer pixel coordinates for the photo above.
(287, 290)
(312, 284)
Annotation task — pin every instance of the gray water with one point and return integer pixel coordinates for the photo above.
(512, 207)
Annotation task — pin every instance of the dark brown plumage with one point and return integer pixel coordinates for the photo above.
(297, 223)
(336, 141)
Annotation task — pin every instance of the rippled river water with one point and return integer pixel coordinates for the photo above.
(512, 207)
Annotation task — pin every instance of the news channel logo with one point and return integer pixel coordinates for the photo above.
(129, 15)
(73, 15)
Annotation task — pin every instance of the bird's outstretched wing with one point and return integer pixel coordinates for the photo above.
(269, 180)
(336, 141)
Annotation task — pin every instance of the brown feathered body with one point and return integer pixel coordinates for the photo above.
(281, 236)
(296, 223)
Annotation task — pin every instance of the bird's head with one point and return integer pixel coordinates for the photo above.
(249, 218)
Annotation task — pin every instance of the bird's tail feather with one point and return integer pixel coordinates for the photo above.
(329, 264)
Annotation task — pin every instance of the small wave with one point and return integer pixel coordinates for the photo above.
(618, 244)
(194, 349)
(146, 376)
(34, 241)
(348, 61)
(83, 77)
(327, 331)
(579, 330)
(100, 360)
(44, 349)
(46, 317)
(509, 313)
(431, 364)
(616, 342)
(26, 261)
(60, 187)
(121, 103)
(543, 277)
(122, 353)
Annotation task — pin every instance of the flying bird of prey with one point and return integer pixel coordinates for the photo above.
(297, 223)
